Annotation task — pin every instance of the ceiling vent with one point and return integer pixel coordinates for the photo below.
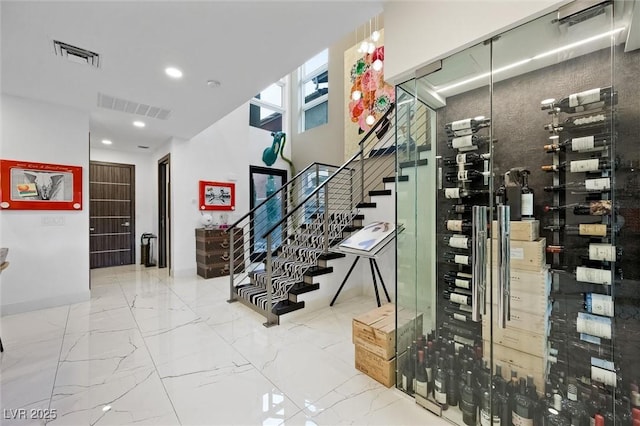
(76, 54)
(131, 107)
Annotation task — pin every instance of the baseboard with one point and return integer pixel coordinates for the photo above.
(51, 302)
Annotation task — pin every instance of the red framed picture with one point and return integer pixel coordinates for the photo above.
(39, 186)
(217, 195)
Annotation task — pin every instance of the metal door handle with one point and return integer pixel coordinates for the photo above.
(125, 224)
(478, 262)
(504, 265)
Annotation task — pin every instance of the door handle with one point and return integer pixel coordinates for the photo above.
(92, 229)
(504, 265)
(124, 224)
(478, 262)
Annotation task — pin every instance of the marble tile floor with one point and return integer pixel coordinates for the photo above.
(150, 349)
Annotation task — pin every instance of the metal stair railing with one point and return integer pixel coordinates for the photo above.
(321, 202)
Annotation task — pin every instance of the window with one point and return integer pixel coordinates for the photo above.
(314, 90)
(267, 107)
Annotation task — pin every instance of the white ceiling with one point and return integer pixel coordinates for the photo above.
(246, 45)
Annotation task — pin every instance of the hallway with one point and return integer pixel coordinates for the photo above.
(149, 349)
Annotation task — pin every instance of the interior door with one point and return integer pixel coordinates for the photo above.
(111, 214)
(164, 212)
(264, 182)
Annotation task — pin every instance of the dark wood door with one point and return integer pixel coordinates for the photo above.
(111, 214)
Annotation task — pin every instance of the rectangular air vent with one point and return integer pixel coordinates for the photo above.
(131, 107)
(76, 54)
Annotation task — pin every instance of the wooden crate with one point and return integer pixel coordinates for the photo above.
(376, 367)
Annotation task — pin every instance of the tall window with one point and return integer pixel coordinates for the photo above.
(314, 90)
(267, 107)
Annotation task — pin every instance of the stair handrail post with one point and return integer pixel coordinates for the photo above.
(317, 182)
(232, 292)
(272, 318)
(361, 172)
(325, 245)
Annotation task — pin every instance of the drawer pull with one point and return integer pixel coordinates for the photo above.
(224, 257)
(224, 244)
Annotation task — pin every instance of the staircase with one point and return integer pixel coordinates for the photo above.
(322, 205)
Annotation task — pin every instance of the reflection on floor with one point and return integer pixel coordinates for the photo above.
(149, 349)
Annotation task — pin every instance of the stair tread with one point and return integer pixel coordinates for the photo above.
(331, 255)
(318, 270)
(375, 192)
(366, 205)
(413, 163)
(391, 179)
(286, 306)
(302, 287)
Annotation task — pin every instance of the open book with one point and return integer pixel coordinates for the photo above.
(370, 239)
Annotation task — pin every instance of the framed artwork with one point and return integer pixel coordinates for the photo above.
(217, 195)
(39, 186)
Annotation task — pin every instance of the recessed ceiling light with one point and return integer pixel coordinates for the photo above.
(173, 72)
(213, 83)
(139, 123)
(106, 141)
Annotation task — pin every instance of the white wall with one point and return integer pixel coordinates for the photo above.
(48, 250)
(418, 33)
(146, 201)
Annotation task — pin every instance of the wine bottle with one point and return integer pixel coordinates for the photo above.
(526, 198)
(512, 386)
(593, 208)
(594, 325)
(581, 122)
(467, 159)
(468, 401)
(595, 251)
(583, 229)
(581, 166)
(589, 185)
(422, 380)
(487, 406)
(593, 404)
(459, 259)
(466, 126)
(467, 143)
(458, 279)
(463, 226)
(454, 193)
(407, 372)
(594, 275)
(452, 377)
(440, 384)
(573, 408)
(502, 401)
(583, 101)
(524, 407)
(460, 241)
(458, 297)
(465, 176)
(581, 144)
(501, 193)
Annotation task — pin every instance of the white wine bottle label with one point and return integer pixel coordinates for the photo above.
(586, 97)
(595, 230)
(602, 252)
(463, 175)
(404, 382)
(462, 142)
(454, 225)
(458, 241)
(603, 363)
(600, 184)
(485, 418)
(421, 388)
(461, 259)
(601, 375)
(597, 118)
(461, 124)
(526, 207)
(594, 325)
(579, 166)
(429, 373)
(517, 420)
(463, 340)
(600, 304)
(461, 158)
(600, 208)
(580, 144)
(457, 346)
(452, 192)
(440, 397)
(593, 275)
(459, 298)
(591, 339)
(460, 317)
(462, 283)
(465, 308)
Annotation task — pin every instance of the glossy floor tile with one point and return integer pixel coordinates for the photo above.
(150, 349)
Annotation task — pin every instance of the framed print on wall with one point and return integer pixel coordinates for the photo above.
(26, 185)
(217, 195)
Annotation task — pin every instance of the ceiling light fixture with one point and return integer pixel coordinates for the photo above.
(106, 141)
(139, 124)
(539, 56)
(213, 83)
(173, 72)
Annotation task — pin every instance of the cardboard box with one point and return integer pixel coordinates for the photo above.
(376, 367)
(529, 290)
(376, 330)
(525, 364)
(521, 230)
(530, 342)
(527, 255)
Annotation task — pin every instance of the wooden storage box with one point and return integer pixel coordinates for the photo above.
(529, 290)
(525, 364)
(526, 321)
(521, 230)
(527, 255)
(533, 343)
(375, 330)
(376, 367)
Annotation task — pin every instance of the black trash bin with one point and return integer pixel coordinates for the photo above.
(146, 249)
